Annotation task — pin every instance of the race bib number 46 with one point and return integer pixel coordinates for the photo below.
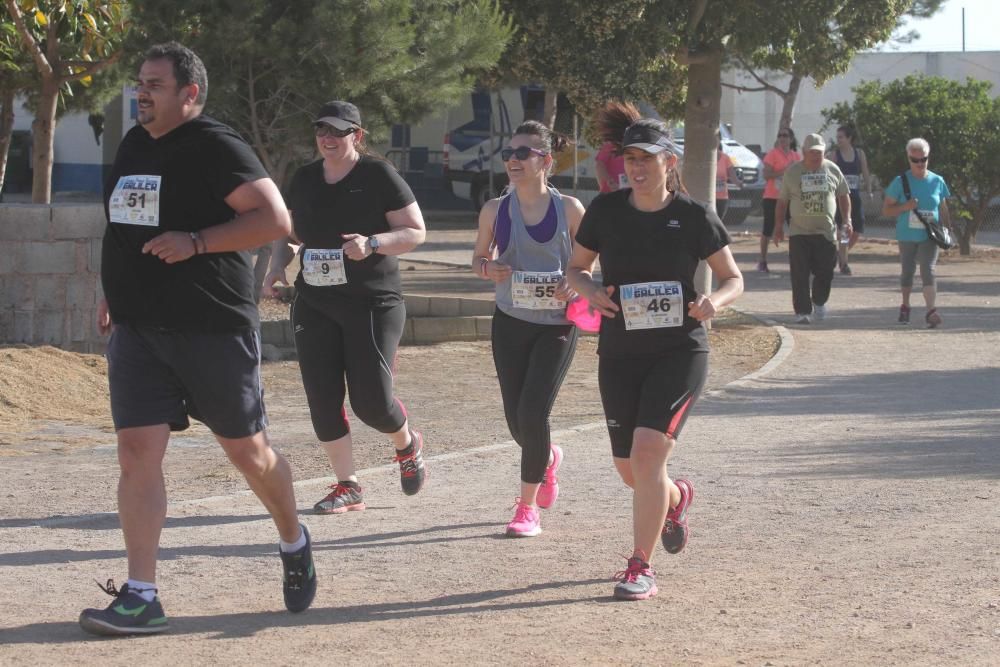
(322, 268)
(536, 290)
(652, 305)
(136, 201)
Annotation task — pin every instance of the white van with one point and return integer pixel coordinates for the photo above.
(482, 124)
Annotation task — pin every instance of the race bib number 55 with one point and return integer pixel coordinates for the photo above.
(136, 201)
(322, 268)
(652, 305)
(536, 290)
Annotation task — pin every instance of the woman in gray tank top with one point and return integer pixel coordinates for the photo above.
(524, 243)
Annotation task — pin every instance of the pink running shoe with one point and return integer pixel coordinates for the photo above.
(526, 522)
(675, 528)
(635, 582)
(549, 490)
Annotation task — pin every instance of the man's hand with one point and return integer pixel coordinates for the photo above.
(171, 247)
(103, 318)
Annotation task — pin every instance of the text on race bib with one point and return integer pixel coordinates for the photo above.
(322, 268)
(915, 222)
(622, 181)
(536, 290)
(652, 305)
(136, 201)
(853, 181)
(815, 188)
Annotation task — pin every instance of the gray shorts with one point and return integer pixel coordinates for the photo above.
(161, 376)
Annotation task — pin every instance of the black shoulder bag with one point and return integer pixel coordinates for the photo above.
(940, 234)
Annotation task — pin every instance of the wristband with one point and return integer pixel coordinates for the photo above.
(194, 240)
(483, 261)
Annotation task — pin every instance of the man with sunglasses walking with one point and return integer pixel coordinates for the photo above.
(185, 201)
(812, 190)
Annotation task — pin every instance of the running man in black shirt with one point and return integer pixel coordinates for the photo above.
(653, 347)
(352, 214)
(185, 200)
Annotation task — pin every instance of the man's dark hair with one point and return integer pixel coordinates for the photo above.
(188, 67)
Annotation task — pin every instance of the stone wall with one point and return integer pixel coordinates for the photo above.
(50, 259)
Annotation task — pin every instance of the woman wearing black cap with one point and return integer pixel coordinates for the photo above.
(653, 348)
(352, 214)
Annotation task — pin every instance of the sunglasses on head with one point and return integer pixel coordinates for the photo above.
(323, 130)
(521, 153)
(918, 160)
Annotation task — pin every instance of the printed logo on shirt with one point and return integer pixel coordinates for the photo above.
(613, 424)
(674, 224)
(358, 190)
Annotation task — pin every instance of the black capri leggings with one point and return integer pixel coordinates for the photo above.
(355, 341)
(652, 392)
(531, 362)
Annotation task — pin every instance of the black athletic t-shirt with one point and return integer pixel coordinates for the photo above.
(642, 247)
(356, 204)
(178, 182)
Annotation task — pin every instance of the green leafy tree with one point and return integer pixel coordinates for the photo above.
(398, 60)
(961, 121)
(68, 42)
(14, 77)
(824, 49)
(594, 51)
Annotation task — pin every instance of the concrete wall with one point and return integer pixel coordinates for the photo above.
(50, 274)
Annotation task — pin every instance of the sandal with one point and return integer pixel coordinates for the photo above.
(933, 319)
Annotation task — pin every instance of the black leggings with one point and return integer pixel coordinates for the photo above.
(531, 362)
(355, 341)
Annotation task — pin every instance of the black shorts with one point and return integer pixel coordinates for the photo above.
(652, 392)
(768, 207)
(857, 213)
(158, 376)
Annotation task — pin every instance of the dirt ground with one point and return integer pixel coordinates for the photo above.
(838, 544)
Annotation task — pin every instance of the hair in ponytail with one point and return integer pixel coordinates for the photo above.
(613, 119)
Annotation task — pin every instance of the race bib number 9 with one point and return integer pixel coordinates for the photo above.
(136, 201)
(652, 305)
(536, 290)
(322, 268)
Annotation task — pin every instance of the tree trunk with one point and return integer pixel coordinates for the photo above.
(788, 101)
(701, 124)
(6, 132)
(551, 106)
(43, 140)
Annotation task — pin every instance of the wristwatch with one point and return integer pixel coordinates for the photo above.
(373, 244)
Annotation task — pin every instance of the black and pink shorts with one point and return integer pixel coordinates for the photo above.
(651, 392)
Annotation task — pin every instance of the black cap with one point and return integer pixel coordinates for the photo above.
(647, 138)
(341, 115)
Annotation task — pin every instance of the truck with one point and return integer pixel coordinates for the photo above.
(482, 124)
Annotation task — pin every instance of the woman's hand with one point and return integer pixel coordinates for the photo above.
(601, 301)
(270, 280)
(497, 271)
(355, 246)
(702, 308)
(564, 292)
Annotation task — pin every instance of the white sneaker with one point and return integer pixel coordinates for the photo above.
(802, 319)
(821, 312)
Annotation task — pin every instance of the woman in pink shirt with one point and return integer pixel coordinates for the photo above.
(610, 168)
(779, 158)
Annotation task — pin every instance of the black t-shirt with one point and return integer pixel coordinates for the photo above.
(641, 247)
(356, 204)
(178, 182)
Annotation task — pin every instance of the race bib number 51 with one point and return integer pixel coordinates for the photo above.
(652, 305)
(322, 268)
(136, 201)
(536, 290)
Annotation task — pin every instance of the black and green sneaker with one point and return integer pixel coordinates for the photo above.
(129, 614)
(299, 576)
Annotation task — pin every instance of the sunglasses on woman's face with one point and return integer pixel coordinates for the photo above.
(918, 160)
(326, 130)
(521, 153)
(784, 136)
